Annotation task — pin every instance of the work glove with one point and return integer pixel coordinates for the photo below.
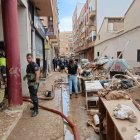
(24, 78)
(36, 85)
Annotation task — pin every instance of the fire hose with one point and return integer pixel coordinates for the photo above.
(74, 128)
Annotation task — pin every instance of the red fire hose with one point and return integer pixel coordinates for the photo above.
(74, 128)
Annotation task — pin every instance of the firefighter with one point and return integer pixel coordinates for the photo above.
(32, 76)
(3, 67)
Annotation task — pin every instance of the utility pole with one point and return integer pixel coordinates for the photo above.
(11, 39)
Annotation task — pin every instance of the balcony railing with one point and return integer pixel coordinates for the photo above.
(92, 15)
(49, 33)
(92, 28)
(39, 26)
(50, 30)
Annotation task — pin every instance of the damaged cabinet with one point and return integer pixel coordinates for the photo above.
(115, 129)
(91, 90)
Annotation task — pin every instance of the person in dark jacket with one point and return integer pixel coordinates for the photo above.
(54, 64)
(65, 62)
(62, 65)
(32, 76)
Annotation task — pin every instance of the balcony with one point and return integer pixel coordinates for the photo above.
(81, 44)
(83, 30)
(91, 38)
(50, 32)
(92, 28)
(92, 15)
(44, 7)
(39, 26)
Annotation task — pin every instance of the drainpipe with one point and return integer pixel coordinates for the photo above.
(11, 38)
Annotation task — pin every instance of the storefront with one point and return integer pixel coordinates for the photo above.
(39, 46)
(39, 50)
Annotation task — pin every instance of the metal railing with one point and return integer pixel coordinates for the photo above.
(39, 25)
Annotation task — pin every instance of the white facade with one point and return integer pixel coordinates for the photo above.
(110, 45)
(132, 19)
(25, 41)
(76, 15)
(24, 38)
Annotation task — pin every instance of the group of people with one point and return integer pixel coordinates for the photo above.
(59, 64)
(33, 74)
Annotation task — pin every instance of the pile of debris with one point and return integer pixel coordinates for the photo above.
(95, 121)
(122, 84)
(59, 81)
(117, 84)
(123, 112)
(115, 95)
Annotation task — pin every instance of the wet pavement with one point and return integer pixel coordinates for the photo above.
(49, 126)
(74, 109)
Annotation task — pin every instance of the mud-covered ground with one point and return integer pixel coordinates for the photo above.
(75, 110)
(49, 126)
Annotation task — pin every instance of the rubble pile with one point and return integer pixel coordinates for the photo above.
(89, 65)
(95, 121)
(119, 82)
(59, 80)
(115, 95)
(123, 112)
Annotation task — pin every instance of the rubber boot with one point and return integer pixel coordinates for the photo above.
(35, 113)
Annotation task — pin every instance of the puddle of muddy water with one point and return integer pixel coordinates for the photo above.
(66, 106)
(75, 110)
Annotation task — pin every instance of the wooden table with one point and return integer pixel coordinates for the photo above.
(118, 129)
(92, 86)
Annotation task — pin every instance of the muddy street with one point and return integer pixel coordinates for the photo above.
(49, 126)
(75, 110)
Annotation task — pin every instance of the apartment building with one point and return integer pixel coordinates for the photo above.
(75, 23)
(86, 31)
(66, 43)
(52, 43)
(33, 36)
(121, 34)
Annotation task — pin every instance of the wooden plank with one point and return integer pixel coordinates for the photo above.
(93, 98)
(110, 128)
(125, 129)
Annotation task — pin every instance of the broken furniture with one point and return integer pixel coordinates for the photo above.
(81, 84)
(117, 129)
(91, 89)
(90, 123)
(137, 70)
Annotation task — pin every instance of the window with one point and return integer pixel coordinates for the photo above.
(138, 55)
(98, 54)
(110, 27)
(118, 54)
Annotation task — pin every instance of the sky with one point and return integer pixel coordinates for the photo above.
(105, 8)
